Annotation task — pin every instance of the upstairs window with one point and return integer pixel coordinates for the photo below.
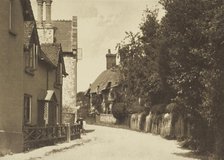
(59, 75)
(27, 108)
(12, 17)
(31, 58)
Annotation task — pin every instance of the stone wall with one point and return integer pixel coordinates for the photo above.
(46, 35)
(68, 118)
(105, 118)
(69, 89)
(167, 125)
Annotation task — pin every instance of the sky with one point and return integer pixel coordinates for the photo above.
(101, 26)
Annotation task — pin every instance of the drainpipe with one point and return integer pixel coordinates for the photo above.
(47, 78)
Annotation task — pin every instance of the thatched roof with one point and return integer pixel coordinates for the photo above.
(109, 77)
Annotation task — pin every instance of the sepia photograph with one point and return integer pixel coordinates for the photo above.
(112, 80)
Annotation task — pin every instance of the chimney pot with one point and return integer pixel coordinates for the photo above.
(111, 59)
(40, 13)
(48, 13)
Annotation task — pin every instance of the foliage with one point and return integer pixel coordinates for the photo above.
(180, 61)
(140, 61)
(83, 102)
(194, 34)
(119, 111)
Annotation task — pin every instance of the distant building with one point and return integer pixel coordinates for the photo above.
(30, 77)
(62, 32)
(66, 34)
(104, 89)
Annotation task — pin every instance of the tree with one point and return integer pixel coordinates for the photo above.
(215, 74)
(141, 61)
(194, 34)
(83, 102)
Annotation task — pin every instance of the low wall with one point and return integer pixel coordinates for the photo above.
(137, 121)
(105, 118)
(165, 125)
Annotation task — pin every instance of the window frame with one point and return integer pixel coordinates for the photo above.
(59, 78)
(12, 18)
(29, 108)
(31, 58)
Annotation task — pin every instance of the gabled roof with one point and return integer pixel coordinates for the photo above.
(30, 31)
(47, 95)
(108, 77)
(52, 51)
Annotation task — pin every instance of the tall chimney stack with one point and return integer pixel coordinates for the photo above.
(111, 59)
(48, 13)
(40, 13)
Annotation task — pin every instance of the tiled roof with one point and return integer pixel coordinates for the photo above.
(65, 34)
(44, 58)
(52, 51)
(29, 28)
(111, 76)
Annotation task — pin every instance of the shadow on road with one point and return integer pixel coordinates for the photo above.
(192, 155)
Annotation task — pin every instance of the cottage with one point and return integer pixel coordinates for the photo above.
(12, 20)
(104, 90)
(31, 81)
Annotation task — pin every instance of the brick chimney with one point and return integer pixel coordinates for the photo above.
(111, 59)
(40, 13)
(48, 13)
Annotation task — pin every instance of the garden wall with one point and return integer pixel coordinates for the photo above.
(105, 118)
(167, 125)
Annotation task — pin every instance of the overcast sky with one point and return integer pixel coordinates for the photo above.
(101, 25)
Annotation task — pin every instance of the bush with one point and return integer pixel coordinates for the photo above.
(158, 109)
(119, 111)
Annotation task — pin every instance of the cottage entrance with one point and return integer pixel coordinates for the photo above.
(48, 110)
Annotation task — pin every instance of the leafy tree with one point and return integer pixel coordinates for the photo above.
(140, 61)
(214, 92)
(83, 102)
(194, 34)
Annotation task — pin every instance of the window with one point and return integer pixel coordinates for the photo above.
(46, 113)
(31, 58)
(27, 108)
(59, 75)
(11, 17)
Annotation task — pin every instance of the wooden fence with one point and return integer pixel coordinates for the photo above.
(35, 137)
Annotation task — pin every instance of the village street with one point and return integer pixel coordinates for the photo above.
(104, 143)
